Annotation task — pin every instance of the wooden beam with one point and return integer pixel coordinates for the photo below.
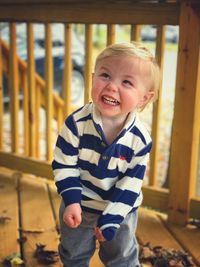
(26, 165)
(186, 125)
(93, 12)
(79, 2)
(195, 208)
(156, 198)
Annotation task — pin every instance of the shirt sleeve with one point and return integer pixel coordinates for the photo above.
(64, 165)
(126, 195)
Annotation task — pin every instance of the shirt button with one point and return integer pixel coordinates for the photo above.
(103, 144)
(105, 157)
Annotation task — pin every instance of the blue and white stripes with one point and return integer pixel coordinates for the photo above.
(104, 179)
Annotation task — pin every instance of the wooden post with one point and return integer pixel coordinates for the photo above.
(186, 126)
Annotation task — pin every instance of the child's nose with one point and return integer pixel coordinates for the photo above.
(112, 86)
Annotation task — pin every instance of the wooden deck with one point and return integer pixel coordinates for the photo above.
(29, 213)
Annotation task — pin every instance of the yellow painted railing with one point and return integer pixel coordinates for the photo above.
(41, 112)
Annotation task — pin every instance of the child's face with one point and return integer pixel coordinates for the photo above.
(120, 85)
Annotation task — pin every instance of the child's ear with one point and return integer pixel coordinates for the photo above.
(146, 99)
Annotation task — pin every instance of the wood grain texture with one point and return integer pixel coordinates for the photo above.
(92, 12)
(151, 229)
(9, 216)
(38, 224)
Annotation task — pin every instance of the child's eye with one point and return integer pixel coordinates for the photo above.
(127, 82)
(105, 75)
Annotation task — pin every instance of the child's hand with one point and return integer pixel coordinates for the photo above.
(99, 235)
(72, 215)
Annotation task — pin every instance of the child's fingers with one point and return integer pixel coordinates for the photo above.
(77, 220)
(72, 221)
(99, 235)
(68, 221)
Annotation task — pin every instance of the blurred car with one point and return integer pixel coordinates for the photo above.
(149, 33)
(58, 57)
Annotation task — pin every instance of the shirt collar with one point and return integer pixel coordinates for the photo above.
(128, 124)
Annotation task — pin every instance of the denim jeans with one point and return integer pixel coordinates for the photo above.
(78, 245)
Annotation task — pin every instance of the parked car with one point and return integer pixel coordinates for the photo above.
(58, 56)
(149, 32)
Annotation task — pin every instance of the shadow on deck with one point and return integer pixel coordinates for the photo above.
(29, 216)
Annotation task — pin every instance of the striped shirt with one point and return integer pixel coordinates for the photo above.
(105, 179)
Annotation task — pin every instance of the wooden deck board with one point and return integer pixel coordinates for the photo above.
(95, 261)
(190, 238)
(8, 209)
(38, 196)
(56, 199)
(38, 223)
(151, 229)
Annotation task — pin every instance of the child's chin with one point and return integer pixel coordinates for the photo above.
(108, 113)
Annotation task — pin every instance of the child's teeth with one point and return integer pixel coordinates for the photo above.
(110, 101)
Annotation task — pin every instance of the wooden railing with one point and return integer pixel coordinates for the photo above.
(33, 99)
(179, 198)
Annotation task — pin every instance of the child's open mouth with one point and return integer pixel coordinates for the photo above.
(110, 101)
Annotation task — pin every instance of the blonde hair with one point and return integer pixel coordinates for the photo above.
(138, 50)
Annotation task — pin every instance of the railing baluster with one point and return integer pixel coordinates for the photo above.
(111, 34)
(135, 33)
(1, 97)
(48, 90)
(31, 90)
(59, 118)
(88, 62)
(25, 104)
(160, 44)
(14, 89)
(67, 72)
(38, 119)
